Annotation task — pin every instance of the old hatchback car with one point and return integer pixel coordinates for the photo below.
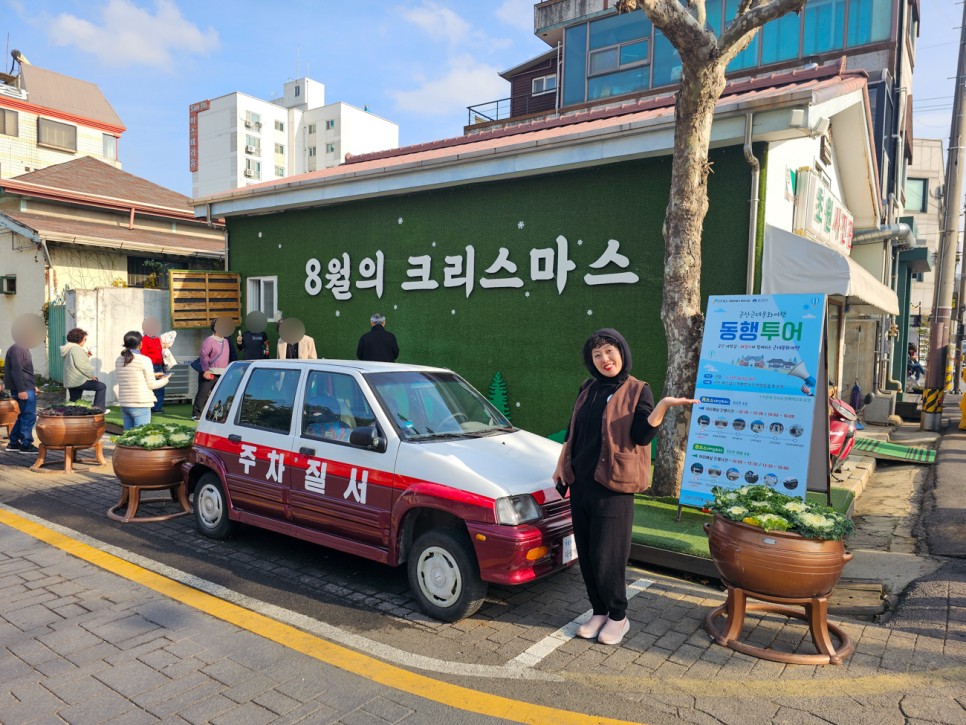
(395, 463)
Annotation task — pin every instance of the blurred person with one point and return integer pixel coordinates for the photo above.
(253, 343)
(293, 343)
(28, 331)
(214, 357)
(152, 349)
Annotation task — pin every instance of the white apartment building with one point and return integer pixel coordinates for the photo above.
(237, 139)
(47, 118)
(925, 177)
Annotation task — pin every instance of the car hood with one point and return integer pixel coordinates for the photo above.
(494, 466)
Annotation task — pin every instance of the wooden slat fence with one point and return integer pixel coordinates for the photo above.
(198, 297)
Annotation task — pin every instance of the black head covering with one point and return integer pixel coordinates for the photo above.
(614, 337)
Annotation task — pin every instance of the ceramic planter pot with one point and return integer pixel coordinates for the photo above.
(9, 410)
(78, 430)
(776, 563)
(158, 467)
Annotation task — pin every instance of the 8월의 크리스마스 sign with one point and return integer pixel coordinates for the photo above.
(761, 383)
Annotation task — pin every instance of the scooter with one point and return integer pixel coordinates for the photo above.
(841, 431)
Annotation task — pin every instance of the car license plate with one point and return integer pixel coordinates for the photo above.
(568, 549)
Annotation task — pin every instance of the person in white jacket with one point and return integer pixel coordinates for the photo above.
(136, 381)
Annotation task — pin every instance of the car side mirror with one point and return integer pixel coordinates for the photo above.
(367, 436)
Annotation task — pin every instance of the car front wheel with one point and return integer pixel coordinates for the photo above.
(211, 508)
(444, 576)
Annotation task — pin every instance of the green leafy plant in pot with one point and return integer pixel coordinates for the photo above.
(151, 455)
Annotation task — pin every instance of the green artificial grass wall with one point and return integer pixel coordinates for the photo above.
(179, 413)
(531, 334)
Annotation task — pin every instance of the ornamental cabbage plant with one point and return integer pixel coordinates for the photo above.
(157, 435)
(772, 511)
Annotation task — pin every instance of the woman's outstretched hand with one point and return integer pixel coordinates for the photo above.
(664, 404)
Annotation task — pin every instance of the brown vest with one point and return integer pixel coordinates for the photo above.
(624, 466)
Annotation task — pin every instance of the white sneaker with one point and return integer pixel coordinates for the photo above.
(591, 628)
(613, 631)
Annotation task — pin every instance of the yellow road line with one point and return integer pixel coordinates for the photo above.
(462, 698)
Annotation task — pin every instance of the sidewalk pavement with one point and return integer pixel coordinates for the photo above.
(84, 645)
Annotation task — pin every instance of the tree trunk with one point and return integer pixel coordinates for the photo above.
(701, 85)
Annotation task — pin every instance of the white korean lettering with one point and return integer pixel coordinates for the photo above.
(542, 264)
(247, 457)
(611, 255)
(502, 264)
(338, 277)
(357, 489)
(371, 271)
(313, 283)
(419, 268)
(455, 267)
(276, 466)
(315, 476)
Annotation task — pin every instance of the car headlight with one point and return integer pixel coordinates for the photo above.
(514, 510)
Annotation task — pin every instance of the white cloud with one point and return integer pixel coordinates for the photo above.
(132, 35)
(465, 83)
(437, 21)
(516, 13)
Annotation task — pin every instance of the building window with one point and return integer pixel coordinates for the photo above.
(280, 171)
(8, 284)
(279, 126)
(109, 146)
(56, 135)
(330, 124)
(253, 145)
(263, 296)
(311, 151)
(279, 148)
(543, 84)
(869, 21)
(298, 91)
(9, 125)
(253, 169)
(311, 128)
(253, 120)
(330, 148)
(917, 195)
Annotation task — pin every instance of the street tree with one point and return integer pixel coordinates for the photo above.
(704, 58)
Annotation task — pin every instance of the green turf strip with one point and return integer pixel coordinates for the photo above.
(654, 523)
(894, 451)
(179, 413)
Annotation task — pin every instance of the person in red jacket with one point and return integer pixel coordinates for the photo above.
(151, 348)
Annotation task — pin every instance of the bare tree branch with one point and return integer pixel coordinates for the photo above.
(700, 14)
(748, 22)
(673, 19)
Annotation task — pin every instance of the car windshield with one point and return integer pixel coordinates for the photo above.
(430, 405)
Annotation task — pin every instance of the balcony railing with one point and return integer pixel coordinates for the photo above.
(504, 108)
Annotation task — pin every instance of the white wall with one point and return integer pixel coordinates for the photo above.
(108, 313)
(20, 153)
(23, 258)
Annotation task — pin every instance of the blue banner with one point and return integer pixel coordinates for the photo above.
(757, 378)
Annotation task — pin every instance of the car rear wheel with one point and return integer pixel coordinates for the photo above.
(444, 576)
(211, 508)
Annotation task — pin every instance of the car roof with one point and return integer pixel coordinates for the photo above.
(359, 365)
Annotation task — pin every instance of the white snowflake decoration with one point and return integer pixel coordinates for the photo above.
(518, 403)
(434, 244)
(580, 242)
(279, 246)
(395, 307)
(399, 220)
(526, 294)
(338, 314)
(520, 225)
(452, 312)
(590, 312)
(259, 235)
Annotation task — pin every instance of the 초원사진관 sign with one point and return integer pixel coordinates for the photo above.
(761, 383)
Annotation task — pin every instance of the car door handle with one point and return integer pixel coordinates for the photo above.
(306, 451)
(234, 438)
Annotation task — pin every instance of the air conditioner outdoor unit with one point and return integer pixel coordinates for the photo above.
(248, 124)
(249, 149)
(249, 173)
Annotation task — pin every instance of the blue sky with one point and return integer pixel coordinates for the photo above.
(418, 63)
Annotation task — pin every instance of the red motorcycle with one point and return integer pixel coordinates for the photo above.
(841, 431)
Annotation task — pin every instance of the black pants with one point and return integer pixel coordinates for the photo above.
(603, 521)
(204, 392)
(99, 388)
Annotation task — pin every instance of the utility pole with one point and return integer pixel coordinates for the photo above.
(940, 332)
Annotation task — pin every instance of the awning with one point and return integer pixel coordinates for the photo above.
(795, 264)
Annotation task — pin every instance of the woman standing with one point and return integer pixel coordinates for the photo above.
(79, 374)
(136, 382)
(214, 357)
(605, 460)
